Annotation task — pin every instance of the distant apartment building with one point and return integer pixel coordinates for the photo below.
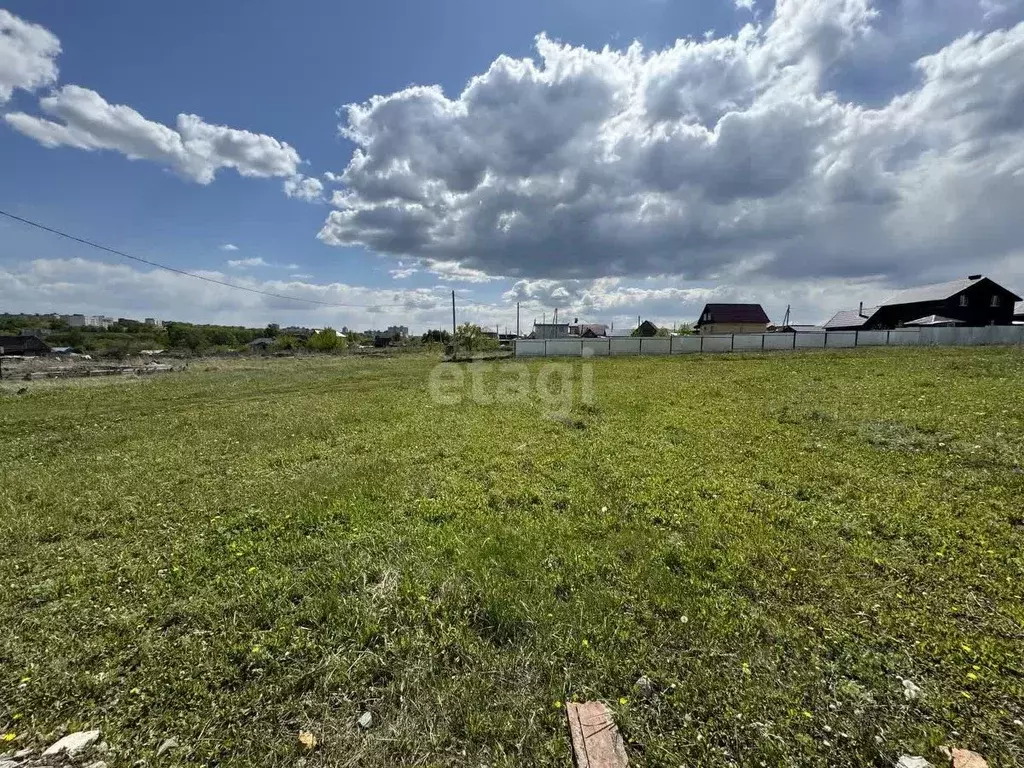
(154, 322)
(397, 331)
(88, 321)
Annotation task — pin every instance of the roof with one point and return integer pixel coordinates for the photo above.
(850, 318)
(936, 291)
(14, 345)
(734, 313)
(803, 328)
(935, 320)
(1018, 309)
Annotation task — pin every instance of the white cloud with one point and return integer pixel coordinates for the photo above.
(195, 150)
(305, 188)
(746, 154)
(120, 290)
(229, 247)
(256, 261)
(28, 55)
(402, 273)
(454, 271)
(744, 5)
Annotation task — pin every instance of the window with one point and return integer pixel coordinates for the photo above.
(963, 300)
(995, 300)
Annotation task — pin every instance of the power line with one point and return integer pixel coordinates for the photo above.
(213, 280)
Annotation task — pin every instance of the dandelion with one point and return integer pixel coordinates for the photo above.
(623, 701)
(557, 705)
(10, 736)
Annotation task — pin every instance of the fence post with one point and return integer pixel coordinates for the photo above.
(887, 334)
(794, 340)
(609, 346)
(702, 345)
(545, 347)
(762, 342)
(732, 342)
(856, 338)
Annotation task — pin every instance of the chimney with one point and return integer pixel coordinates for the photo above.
(974, 277)
(860, 310)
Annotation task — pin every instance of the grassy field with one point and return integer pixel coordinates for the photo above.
(246, 550)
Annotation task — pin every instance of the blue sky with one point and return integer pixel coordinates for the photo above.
(782, 155)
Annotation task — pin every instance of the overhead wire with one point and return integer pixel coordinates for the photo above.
(215, 281)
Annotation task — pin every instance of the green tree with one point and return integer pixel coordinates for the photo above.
(470, 338)
(326, 340)
(437, 337)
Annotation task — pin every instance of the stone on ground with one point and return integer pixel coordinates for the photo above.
(73, 743)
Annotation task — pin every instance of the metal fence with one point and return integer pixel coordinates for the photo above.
(765, 342)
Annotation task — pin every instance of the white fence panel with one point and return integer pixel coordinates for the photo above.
(744, 342)
(682, 345)
(872, 338)
(564, 347)
(779, 340)
(810, 340)
(529, 348)
(1008, 334)
(717, 343)
(748, 342)
(625, 346)
(841, 339)
(903, 337)
(660, 346)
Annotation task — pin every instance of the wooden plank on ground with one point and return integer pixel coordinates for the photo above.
(596, 742)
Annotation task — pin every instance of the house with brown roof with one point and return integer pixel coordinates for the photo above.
(732, 318)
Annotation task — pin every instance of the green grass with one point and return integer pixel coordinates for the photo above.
(237, 553)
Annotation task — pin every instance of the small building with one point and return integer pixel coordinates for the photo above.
(25, 346)
(589, 330)
(861, 319)
(646, 329)
(551, 330)
(798, 328)
(152, 321)
(1018, 312)
(261, 345)
(732, 318)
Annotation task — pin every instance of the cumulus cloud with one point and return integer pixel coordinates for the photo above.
(402, 272)
(698, 159)
(194, 149)
(305, 188)
(28, 56)
(229, 247)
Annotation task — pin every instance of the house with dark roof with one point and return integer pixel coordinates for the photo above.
(732, 318)
(971, 301)
(23, 345)
(646, 328)
(853, 320)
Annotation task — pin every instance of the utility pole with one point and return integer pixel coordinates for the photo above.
(455, 343)
(638, 321)
(556, 316)
(517, 319)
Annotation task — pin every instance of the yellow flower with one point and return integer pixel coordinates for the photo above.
(623, 701)
(10, 736)
(557, 705)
